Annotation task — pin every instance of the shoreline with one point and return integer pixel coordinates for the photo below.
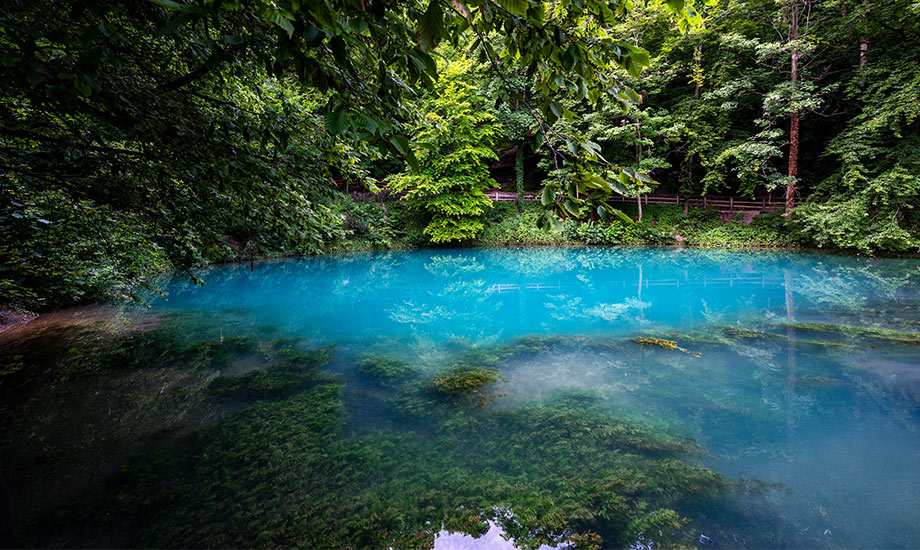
(10, 319)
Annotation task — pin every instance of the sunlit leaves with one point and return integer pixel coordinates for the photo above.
(277, 17)
(452, 146)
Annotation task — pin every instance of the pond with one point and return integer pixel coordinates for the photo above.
(473, 398)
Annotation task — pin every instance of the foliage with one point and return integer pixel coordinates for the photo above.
(666, 344)
(120, 113)
(58, 250)
(854, 223)
(504, 226)
(144, 137)
(870, 202)
(452, 146)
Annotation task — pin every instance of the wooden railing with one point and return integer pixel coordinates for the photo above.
(508, 196)
(731, 204)
(765, 203)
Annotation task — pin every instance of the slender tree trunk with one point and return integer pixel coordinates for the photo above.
(863, 50)
(638, 161)
(794, 115)
(793, 162)
(519, 175)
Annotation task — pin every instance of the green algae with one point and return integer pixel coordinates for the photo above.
(874, 333)
(387, 371)
(465, 381)
(284, 471)
(291, 370)
(283, 474)
(827, 344)
(733, 332)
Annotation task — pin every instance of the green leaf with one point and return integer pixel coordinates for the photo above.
(431, 27)
(401, 143)
(411, 160)
(570, 207)
(275, 16)
(516, 7)
(573, 148)
(568, 58)
(622, 216)
(538, 13)
(336, 121)
(547, 198)
(83, 87)
(640, 57)
(175, 5)
(676, 5)
(632, 95)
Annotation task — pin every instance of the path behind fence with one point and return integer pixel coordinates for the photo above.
(764, 204)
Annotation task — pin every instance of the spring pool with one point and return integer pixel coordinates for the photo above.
(564, 397)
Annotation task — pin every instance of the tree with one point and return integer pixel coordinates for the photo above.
(452, 145)
(208, 126)
(870, 201)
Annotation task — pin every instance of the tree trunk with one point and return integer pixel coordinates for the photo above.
(639, 161)
(794, 115)
(519, 175)
(863, 49)
(793, 162)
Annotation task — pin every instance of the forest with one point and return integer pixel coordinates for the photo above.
(439, 274)
(153, 136)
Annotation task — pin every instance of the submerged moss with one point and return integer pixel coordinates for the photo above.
(387, 370)
(465, 380)
(866, 332)
(284, 474)
(826, 344)
(740, 333)
(293, 370)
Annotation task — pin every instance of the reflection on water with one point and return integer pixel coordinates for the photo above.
(397, 398)
(495, 538)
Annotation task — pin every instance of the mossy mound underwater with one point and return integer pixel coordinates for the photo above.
(285, 470)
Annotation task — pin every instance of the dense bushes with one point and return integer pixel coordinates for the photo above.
(504, 226)
(391, 225)
(372, 225)
(70, 250)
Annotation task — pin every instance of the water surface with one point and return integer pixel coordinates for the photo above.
(768, 399)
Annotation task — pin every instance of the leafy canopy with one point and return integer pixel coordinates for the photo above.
(454, 144)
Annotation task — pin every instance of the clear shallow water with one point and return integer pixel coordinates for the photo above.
(798, 374)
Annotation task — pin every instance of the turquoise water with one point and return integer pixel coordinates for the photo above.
(795, 377)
